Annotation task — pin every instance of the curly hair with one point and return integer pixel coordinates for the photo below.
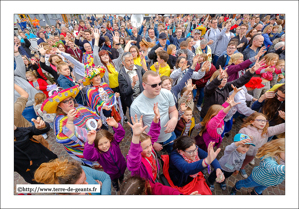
(272, 149)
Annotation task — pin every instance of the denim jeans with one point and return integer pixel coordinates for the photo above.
(227, 127)
(200, 96)
(250, 183)
(169, 146)
(29, 113)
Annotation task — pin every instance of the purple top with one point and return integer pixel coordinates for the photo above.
(236, 71)
(134, 157)
(113, 161)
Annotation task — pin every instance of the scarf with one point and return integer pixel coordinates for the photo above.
(151, 160)
(54, 67)
(190, 161)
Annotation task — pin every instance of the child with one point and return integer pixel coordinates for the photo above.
(187, 96)
(186, 122)
(275, 33)
(135, 185)
(279, 78)
(161, 67)
(234, 155)
(213, 124)
(39, 98)
(271, 170)
(171, 51)
(37, 83)
(102, 146)
(266, 73)
(142, 159)
(257, 126)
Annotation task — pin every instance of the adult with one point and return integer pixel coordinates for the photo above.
(272, 104)
(74, 50)
(253, 50)
(197, 33)
(211, 35)
(28, 34)
(130, 80)
(266, 32)
(88, 39)
(160, 46)
(20, 80)
(187, 161)
(54, 60)
(222, 41)
(137, 58)
(241, 38)
(178, 38)
(104, 32)
(112, 66)
(204, 49)
(23, 48)
(217, 91)
(144, 103)
(69, 172)
(71, 122)
(134, 36)
(151, 36)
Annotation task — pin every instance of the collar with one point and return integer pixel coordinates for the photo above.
(134, 68)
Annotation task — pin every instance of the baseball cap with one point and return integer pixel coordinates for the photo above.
(162, 36)
(103, 26)
(240, 137)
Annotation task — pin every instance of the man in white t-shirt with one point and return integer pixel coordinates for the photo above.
(144, 103)
(196, 37)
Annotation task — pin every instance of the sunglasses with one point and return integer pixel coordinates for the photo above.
(154, 85)
(67, 101)
(279, 96)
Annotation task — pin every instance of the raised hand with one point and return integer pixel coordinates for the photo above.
(195, 60)
(100, 123)
(281, 114)
(211, 153)
(115, 39)
(156, 111)
(262, 51)
(16, 47)
(96, 34)
(71, 115)
(236, 90)
(205, 66)
(258, 64)
(144, 21)
(111, 122)
(137, 126)
(117, 94)
(222, 73)
(38, 123)
(232, 102)
(91, 136)
(220, 176)
(42, 50)
(156, 65)
(269, 95)
(183, 107)
(190, 86)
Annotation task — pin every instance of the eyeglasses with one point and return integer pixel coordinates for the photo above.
(133, 52)
(231, 48)
(154, 85)
(243, 28)
(260, 120)
(193, 151)
(279, 96)
(68, 101)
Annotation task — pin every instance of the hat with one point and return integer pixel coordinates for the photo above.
(162, 36)
(103, 26)
(50, 104)
(91, 72)
(200, 28)
(240, 137)
(273, 18)
(255, 83)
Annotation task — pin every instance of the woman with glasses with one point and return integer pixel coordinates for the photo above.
(71, 122)
(186, 162)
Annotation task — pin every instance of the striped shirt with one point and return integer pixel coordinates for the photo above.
(269, 172)
(74, 142)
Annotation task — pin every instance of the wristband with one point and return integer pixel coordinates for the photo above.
(209, 168)
(16, 51)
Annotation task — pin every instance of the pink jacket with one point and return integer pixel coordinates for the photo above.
(267, 75)
(257, 137)
(160, 189)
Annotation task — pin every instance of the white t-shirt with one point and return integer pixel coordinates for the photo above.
(144, 106)
(197, 44)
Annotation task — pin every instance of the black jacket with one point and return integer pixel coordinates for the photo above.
(221, 61)
(214, 95)
(152, 54)
(171, 61)
(80, 43)
(138, 39)
(243, 40)
(125, 87)
(28, 154)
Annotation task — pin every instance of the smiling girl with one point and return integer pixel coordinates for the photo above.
(102, 146)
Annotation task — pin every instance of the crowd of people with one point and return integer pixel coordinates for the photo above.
(89, 78)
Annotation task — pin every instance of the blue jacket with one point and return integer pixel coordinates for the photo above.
(275, 35)
(108, 49)
(180, 170)
(176, 41)
(66, 83)
(267, 41)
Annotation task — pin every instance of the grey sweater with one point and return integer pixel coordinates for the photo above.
(20, 80)
(232, 160)
(117, 62)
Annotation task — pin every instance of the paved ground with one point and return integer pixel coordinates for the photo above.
(125, 144)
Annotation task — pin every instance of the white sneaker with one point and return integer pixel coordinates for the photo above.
(199, 108)
(252, 162)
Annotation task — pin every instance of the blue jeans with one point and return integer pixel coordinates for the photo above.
(200, 97)
(200, 118)
(250, 183)
(227, 127)
(215, 58)
(169, 146)
(237, 114)
(29, 113)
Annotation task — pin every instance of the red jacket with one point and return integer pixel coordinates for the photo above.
(77, 53)
(202, 82)
(40, 72)
(42, 86)
(160, 189)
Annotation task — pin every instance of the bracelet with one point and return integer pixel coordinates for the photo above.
(16, 51)
(209, 168)
(204, 161)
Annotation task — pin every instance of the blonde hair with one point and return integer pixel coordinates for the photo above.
(189, 39)
(58, 171)
(39, 98)
(170, 48)
(31, 73)
(149, 73)
(234, 58)
(147, 44)
(279, 62)
(269, 57)
(266, 28)
(204, 56)
(272, 149)
(252, 117)
(215, 74)
(213, 111)
(60, 64)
